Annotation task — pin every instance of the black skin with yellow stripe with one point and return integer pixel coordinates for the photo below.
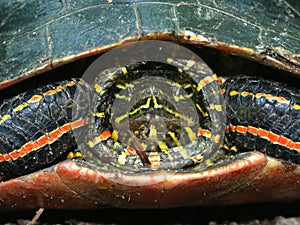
(48, 135)
(164, 108)
(264, 116)
(29, 118)
(247, 106)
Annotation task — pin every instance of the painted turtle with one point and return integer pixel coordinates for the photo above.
(43, 44)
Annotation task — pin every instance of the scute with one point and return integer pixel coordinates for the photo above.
(55, 38)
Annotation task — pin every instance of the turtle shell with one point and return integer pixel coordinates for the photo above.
(40, 42)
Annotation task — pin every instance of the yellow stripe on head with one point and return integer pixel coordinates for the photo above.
(205, 81)
(191, 133)
(124, 70)
(98, 89)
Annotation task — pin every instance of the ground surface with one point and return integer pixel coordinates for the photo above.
(247, 214)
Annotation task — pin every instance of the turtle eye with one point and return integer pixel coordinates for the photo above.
(155, 92)
(151, 91)
(147, 92)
